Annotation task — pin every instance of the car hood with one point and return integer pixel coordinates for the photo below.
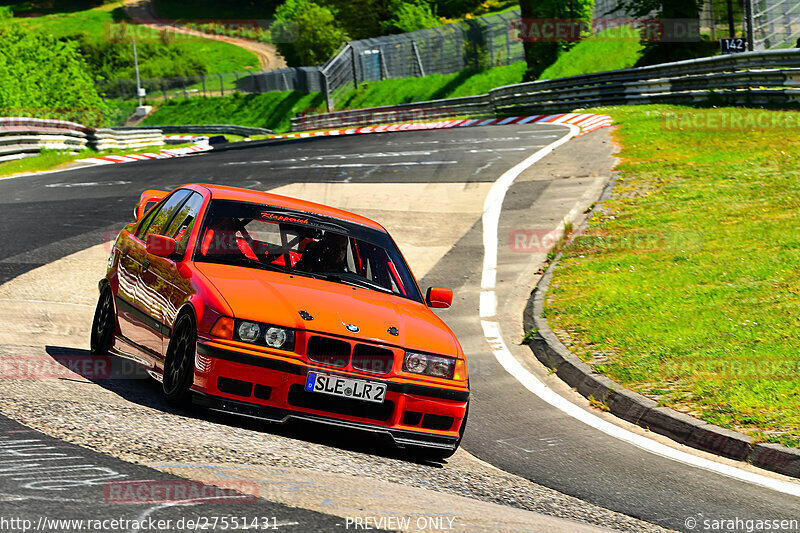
(277, 298)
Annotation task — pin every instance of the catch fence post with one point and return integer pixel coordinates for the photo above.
(419, 60)
(748, 15)
(354, 65)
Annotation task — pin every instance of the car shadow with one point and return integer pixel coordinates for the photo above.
(131, 382)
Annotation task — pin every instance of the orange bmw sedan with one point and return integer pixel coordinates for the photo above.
(277, 308)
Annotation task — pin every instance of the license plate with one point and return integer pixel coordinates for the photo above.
(359, 389)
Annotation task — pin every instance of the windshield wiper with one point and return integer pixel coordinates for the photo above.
(248, 263)
(359, 282)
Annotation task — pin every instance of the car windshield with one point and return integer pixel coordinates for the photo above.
(266, 237)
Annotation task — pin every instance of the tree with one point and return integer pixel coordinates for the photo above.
(411, 16)
(306, 33)
(674, 14)
(542, 52)
(43, 77)
(361, 19)
(455, 8)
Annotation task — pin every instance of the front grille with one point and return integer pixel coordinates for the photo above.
(300, 397)
(372, 359)
(328, 351)
(235, 386)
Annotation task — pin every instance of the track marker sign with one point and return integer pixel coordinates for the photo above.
(733, 45)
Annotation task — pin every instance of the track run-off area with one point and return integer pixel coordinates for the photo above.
(535, 457)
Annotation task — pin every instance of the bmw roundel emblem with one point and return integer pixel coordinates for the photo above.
(353, 328)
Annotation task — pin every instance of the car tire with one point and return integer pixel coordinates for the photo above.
(103, 324)
(179, 362)
(437, 455)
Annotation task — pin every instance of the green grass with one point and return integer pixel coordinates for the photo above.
(56, 159)
(46, 160)
(273, 110)
(222, 57)
(433, 87)
(268, 110)
(92, 20)
(687, 287)
(611, 49)
(117, 112)
(29, 7)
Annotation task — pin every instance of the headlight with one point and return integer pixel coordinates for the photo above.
(275, 337)
(249, 331)
(430, 365)
(264, 334)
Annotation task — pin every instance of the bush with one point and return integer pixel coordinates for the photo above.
(608, 50)
(540, 54)
(111, 59)
(306, 33)
(41, 76)
(412, 16)
(455, 8)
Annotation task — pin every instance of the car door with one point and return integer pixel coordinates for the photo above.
(138, 321)
(161, 288)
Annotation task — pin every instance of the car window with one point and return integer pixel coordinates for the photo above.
(163, 214)
(260, 236)
(184, 221)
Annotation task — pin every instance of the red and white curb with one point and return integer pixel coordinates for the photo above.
(186, 138)
(585, 121)
(163, 154)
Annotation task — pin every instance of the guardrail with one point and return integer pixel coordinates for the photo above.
(217, 129)
(755, 78)
(22, 136)
(469, 105)
(112, 139)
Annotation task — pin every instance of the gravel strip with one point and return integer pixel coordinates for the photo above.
(129, 420)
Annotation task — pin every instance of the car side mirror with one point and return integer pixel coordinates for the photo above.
(161, 245)
(439, 297)
(147, 200)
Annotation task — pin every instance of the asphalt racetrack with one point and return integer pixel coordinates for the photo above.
(428, 189)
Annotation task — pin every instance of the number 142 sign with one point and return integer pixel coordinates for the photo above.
(733, 45)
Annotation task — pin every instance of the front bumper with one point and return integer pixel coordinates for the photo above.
(272, 388)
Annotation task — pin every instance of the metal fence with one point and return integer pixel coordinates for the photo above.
(304, 79)
(776, 23)
(478, 43)
(770, 78)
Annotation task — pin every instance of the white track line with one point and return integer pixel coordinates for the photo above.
(491, 329)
